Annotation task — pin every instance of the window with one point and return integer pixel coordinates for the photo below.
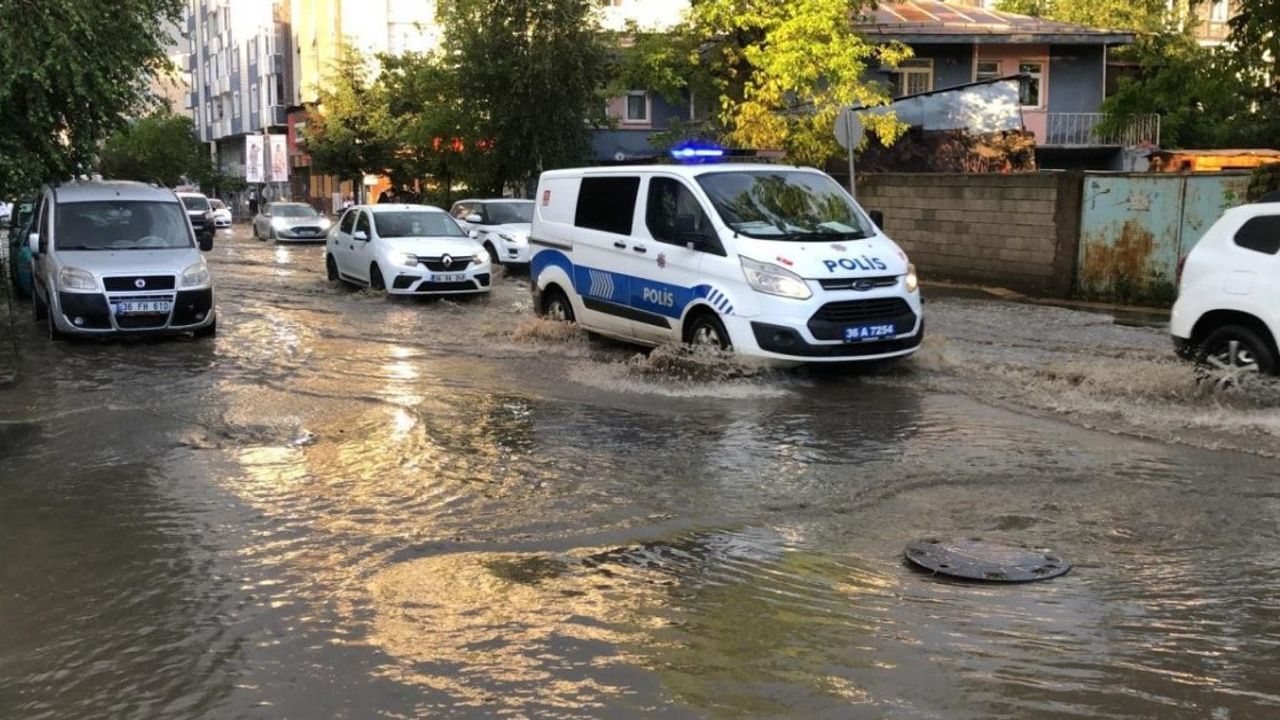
(913, 76)
(607, 204)
(416, 224)
(1260, 234)
(235, 104)
(673, 214)
(254, 100)
(462, 210)
(987, 70)
(1029, 93)
(348, 222)
(1220, 12)
(637, 107)
(362, 223)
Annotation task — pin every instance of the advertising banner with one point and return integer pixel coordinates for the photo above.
(279, 158)
(254, 159)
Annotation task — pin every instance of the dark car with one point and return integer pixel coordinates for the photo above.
(201, 214)
(19, 253)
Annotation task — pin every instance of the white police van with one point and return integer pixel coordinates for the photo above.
(775, 262)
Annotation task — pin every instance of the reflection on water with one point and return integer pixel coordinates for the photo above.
(353, 508)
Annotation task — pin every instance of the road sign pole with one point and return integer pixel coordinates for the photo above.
(853, 182)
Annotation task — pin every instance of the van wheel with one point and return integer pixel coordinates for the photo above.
(706, 331)
(375, 278)
(493, 254)
(1233, 354)
(331, 267)
(556, 305)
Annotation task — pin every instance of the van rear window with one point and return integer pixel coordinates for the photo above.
(607, 204)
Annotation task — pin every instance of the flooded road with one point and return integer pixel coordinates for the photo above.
(349, 507)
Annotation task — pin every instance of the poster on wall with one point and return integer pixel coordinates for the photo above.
(253, 159)
(279, 158)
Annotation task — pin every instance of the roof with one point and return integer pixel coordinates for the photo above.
(399, 207)
(493, 200)
(684, 170)
(98, 190)
(923, 22)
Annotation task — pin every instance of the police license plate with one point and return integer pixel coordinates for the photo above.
(149, 307)
(448, 277)
(861, 333)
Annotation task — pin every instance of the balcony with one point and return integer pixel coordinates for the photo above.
(193, 100)
(1082, 130)
(275, 115)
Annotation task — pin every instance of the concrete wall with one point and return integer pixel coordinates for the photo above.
(1078, 72)
(1015, 231)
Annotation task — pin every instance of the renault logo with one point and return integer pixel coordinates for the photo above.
(140, 283)
(446, 261)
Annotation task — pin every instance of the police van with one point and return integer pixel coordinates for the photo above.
(774, 262)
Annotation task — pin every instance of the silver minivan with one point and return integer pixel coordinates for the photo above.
(114, 257)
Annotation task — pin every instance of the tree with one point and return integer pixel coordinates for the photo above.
(161, 146)
(72, 71)
(781, 71)
(532, 75)
(350, 132)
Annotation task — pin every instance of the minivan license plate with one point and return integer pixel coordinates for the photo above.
(860, 333)
(150, 307)
(448, 277)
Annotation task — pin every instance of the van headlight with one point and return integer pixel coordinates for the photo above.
(913, 281)
(196, 275)
(70, 278)
(775, 280)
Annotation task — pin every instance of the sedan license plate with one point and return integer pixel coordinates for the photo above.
(150, 307)
(448, 277)
(862, 333)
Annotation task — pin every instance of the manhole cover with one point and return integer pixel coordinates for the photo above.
(988, 560)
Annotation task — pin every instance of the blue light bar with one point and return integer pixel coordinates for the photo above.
(697, 152)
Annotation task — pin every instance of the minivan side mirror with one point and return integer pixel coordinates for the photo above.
(361, 235)
(33, 242)
(474, 218)
(877, 217)
(206, 243)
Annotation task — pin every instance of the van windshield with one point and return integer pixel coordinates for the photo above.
(773, 204)
(121, 225)
(413, 223)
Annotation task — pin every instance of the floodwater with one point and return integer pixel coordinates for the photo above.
(349, 507)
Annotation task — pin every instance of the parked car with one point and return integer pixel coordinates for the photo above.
(19, 252)
(221, 213)
(776, 263)
(1227, 315)
(200, 212)
(118, 258)
(298, 222)
(406, 250)
(501, 226)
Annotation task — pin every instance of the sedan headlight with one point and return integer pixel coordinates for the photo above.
(325, 223)
(279, 223)
(196, 275)
(510, 237)
(913, 282)
(70, 278)
(775, 280)
(403, 258)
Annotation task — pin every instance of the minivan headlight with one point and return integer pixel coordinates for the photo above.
(70, 278)
(913, 281)
(775, 280)
(196, 275)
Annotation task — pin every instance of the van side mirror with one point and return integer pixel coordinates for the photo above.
(877, 217)
(33, 242)
(206, 243)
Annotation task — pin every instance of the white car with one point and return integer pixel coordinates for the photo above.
(1227, 315)
(221, 213)
(776, 263)
(290, 222)
(501, 226)
(406, 250)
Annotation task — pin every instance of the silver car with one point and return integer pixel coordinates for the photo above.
(287, 221)
(118, 258)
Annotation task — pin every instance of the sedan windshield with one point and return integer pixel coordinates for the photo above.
(415, 224)
(784, 205)
(505, 213)
(195, 202)
(117, 225)
(297, 210)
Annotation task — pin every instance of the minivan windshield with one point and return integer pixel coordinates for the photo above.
(293, 210)
(121, 225)
(505, 213)
(410, 223)
(195, 202)
(774, 204)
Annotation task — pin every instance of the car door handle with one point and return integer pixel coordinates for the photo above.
(640, 249)
(620, 245)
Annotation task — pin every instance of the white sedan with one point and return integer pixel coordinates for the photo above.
(501, 226)
(221, 213)
(406, 250)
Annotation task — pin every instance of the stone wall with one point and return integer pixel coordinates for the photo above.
(1017, 231)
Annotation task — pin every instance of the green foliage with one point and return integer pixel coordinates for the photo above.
(1139, 15)
(70, 71)
(1265, 179)
(780, 72)
(350, 132)
(161, 146)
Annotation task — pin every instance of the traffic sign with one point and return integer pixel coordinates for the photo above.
(849, 130)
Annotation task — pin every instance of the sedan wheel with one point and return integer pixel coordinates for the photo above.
(1234, 355)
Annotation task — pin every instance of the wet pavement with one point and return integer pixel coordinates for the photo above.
(350, 507)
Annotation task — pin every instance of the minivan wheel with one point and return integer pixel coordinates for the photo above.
(375, 278)
(331, 267)
(706, 331)
(556, 306)
(1231, 355)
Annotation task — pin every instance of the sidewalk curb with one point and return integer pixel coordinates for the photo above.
(1013, 296)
